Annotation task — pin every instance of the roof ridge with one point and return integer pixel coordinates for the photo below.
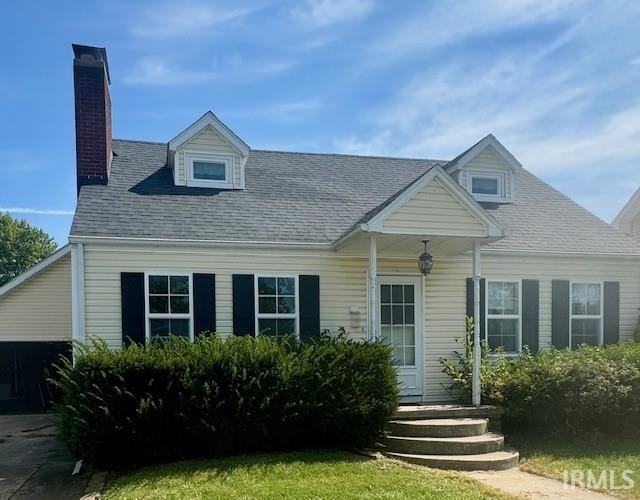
(349, 155)
(140, 141)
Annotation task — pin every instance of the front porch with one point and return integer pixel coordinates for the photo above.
(431, 221)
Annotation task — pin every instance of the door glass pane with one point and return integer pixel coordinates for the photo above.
(385, 294)
(409, 356)
(409, 315)
(398, 335)
(397, 320)
(385, 332)
(397, 314)
(409, 335)
(385, 315)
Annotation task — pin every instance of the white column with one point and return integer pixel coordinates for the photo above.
(476, 385)
(77, 292)
(373, 301)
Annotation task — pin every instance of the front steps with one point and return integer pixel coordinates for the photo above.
(448, 437)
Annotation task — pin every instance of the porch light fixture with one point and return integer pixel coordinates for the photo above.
(425, 261)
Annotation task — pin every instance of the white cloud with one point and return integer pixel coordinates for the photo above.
(445, 23)
(156, 71)
(179, 19)
(286, 111)
(322, 13)
(37, 211)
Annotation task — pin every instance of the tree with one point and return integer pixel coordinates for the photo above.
(21, 246)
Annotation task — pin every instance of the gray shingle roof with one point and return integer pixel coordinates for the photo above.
(311, 198)
(293, 197)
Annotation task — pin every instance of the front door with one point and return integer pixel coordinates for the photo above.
(401, 327)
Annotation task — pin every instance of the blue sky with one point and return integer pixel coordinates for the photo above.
(556, 81)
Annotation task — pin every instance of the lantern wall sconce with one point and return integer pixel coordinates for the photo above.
(425, 261)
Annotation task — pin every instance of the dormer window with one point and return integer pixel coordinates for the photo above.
(208, 170)
(488, 186)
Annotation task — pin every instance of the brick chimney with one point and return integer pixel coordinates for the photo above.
(93, 115)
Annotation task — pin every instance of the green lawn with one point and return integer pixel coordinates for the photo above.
(552, 456)
(299, 475)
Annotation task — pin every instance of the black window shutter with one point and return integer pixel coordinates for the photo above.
(611, 311)
(531, 314)
(132, 299)
(309, 292)
(244, 303)
(560, 313)
(204, 303)
(482, 303)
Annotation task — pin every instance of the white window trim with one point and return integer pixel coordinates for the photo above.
(501, 177)
(259, 315)
(586, 316)
(149, 316)
(191, 156)
(518, 316)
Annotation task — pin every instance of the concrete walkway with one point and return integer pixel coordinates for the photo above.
(526, 485)
(33, 464)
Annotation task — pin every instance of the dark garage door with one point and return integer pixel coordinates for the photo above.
(24, 369)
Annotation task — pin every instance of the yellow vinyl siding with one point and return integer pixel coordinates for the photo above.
(343, 284)
(487, 159)
(40, 308)
(207, 141)
(434, 210)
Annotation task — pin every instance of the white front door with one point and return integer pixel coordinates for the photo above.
(401, 327)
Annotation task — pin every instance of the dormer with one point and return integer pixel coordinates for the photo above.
(207, 154)
(486, 170)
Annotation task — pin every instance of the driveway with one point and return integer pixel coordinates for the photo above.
(32, 462)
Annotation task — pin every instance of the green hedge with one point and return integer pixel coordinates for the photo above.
(591, 389)
(211, 397)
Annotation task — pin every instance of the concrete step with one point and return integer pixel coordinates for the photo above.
(468, 445)
(420, 412)
(438, 427)
(498, 460)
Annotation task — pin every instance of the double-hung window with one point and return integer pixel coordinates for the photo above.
(277, 305)
(503, 328)
(586, 314)
(169, 305)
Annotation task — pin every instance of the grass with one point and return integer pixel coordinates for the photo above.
(299, 475)
(552, 456)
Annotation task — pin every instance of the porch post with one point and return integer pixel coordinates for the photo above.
(476, 383)
(373, 302)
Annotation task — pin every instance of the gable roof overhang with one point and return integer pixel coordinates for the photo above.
(209, 120)
(490, 140)
(39, 267)
(373, 222)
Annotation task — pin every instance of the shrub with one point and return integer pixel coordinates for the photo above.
(589, 390)
(182, 399)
